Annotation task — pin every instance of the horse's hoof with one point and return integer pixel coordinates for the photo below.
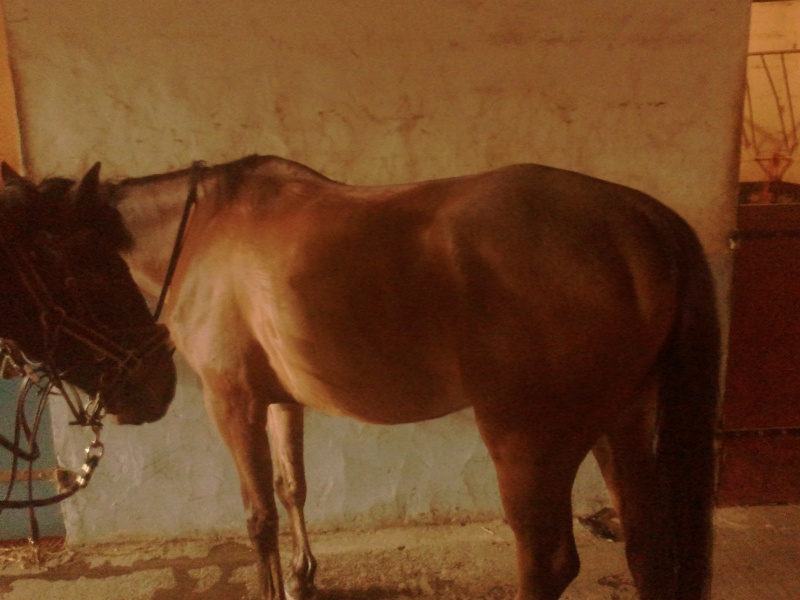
(294, 595)
(297, 592)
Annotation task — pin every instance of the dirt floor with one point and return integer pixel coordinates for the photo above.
(757, 558)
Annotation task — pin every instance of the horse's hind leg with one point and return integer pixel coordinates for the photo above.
(286, 436)
(627, 462)
(535, 472)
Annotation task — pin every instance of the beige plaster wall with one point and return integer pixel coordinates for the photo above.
(9, 127)
(646, 94)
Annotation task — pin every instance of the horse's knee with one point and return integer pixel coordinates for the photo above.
(290, 490)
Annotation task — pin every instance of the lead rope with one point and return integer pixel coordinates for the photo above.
(191, 200)
(33, 383)
(33, 374)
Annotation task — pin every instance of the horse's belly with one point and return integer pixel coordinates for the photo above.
(377, 392)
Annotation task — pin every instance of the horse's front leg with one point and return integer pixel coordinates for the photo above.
(242, 423)
(286, 436)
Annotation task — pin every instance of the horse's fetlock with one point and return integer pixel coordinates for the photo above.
(304, 566)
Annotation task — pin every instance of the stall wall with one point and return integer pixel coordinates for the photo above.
(9, 127)
(648, 95)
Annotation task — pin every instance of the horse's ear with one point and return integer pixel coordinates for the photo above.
(87, 188)
(12, 178)
(9, 174)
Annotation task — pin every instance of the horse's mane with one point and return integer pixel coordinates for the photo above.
(264, 164)
(229, 176)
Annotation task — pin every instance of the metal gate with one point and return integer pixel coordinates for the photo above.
(761, 414)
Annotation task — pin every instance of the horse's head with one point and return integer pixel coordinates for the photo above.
(68, 300)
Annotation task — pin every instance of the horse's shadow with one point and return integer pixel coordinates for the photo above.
(393, 593)
(371, 593)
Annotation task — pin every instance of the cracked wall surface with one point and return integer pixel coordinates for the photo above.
(369, 93)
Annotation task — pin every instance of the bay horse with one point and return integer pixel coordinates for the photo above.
(571, 313)
(68, 301)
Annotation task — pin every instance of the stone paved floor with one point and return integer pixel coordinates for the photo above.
(757, 558)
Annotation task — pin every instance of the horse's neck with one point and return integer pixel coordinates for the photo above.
(152, 212)
(151, 208)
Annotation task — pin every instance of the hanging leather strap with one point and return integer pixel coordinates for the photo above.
(191, 200)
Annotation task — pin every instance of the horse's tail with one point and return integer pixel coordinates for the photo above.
(687, 420)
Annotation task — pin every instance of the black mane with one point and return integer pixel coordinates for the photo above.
(52, 207)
